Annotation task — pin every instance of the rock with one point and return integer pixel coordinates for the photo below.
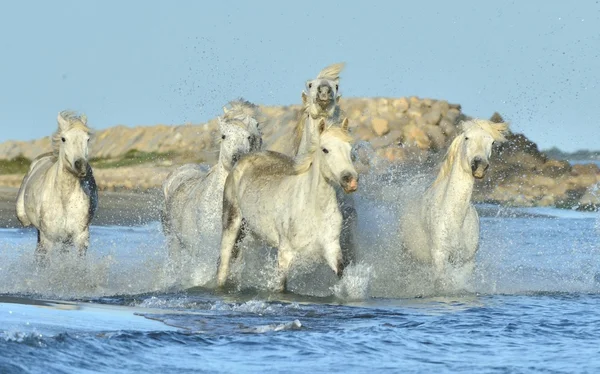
(380, 126)
(431, 117)
(590, 201)
(585, 169)
(392, 154)
(435, 134)
(453, 115)
(413, 135)
(555, 168)
(401, 105)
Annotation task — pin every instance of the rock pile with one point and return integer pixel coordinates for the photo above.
(408, 130)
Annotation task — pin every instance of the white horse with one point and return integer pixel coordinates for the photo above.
(442, 227)
(320, 99)
(58, 195)
(290, 204)
(193, 199)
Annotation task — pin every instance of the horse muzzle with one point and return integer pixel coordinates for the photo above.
(324, 96)
(349, 182)
(479, 167)
(80, 166)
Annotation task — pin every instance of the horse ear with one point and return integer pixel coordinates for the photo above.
(225, 110)
(345, 124)
(221, 124)
(63, 124)
(465, 125)
(502, 129)
(321, 125)
(304, 98)
(83, 119)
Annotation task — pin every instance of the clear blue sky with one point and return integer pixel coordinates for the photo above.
(149, 62)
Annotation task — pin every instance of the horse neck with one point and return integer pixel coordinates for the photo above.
(453, 192)
(64, 179)
(318, 189)
(218, 171)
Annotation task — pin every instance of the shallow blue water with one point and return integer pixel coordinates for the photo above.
(532, 306)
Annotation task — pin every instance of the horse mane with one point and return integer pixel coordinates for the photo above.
(75, 121)
(496, 130)
(241, 108)
(299, 128)
(332, 72)
(303, 164)
(451, 155)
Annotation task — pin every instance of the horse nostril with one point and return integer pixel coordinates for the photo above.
(78, 164)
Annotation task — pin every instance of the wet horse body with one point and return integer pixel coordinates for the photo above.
(442, 227)
(290, 203)
(58, 196)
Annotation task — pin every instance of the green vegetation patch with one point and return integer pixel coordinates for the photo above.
(133, 157)
(17, 165)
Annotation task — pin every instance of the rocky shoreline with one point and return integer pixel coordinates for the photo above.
(401, 131)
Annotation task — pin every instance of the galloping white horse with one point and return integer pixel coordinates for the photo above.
(193, 200)
(58, 195)
(442, 227)
(290, 204)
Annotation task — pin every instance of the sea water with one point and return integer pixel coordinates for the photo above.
(530, 306)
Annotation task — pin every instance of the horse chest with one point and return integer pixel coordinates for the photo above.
(65, 216)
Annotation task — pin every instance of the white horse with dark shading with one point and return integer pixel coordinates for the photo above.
(58, 195)
(442, 227)
(290, 204)
(191, 216)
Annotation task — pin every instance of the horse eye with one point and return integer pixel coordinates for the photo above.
(325, 150)
(257, 124)
(310, 85)
(466, 138)
(63, 139)
(222, 136)
(249, 138)
(337, 87)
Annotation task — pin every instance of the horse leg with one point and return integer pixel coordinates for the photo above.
(333, 256)
(285, 255)
(439, 267)
(348, 234)
(232, 223)
(82, 242)
(41, 250)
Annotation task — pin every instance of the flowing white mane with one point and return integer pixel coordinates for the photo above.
(239, 109)
(332, 72)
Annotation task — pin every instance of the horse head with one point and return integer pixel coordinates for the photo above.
(246, 114)
(335, 153)
(322, 95)
(477, 140)
(71, 142)
(236, 141)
